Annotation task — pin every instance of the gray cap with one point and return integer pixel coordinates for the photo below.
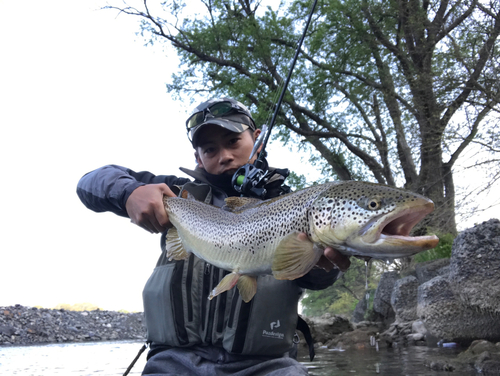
(238, 120)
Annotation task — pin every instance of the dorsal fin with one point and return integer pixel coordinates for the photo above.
(239, 204)
(187, 195)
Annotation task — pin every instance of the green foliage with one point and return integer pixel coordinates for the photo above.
(392, 92)
(344, 305)
(296, 182)
(442, 250)
(316, 303)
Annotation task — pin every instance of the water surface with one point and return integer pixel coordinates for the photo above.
(113, 358)
(75, 359)
(388, 362)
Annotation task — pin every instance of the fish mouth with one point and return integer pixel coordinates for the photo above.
(390, 234)
(400, 224)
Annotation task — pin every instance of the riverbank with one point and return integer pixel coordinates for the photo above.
(21, 325)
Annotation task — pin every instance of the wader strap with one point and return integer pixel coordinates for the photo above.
(144, 347)
(304, 328)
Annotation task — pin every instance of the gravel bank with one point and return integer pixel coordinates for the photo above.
(21, 325)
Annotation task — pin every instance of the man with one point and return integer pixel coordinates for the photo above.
(189, 334)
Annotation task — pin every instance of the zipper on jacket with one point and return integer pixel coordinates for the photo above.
(205, 293)
(212, 305)
(189, 292)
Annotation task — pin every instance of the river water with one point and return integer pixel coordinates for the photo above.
(112, 358)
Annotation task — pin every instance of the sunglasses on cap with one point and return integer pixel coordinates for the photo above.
(216, 110)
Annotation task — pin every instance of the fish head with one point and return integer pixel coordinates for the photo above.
(370, 220)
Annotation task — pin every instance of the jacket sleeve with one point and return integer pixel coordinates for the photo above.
(109, 187)
(319, 279)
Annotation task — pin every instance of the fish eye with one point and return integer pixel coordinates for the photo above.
(374, 204)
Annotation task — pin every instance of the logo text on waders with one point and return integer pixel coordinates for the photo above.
(272, 333)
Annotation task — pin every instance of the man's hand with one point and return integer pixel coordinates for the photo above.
(332, 258)
(145, 207)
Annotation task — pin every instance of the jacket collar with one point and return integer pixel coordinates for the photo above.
(221, 182)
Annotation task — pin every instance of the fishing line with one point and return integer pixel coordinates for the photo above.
(281, 84)
(250, 179)
(260, 159)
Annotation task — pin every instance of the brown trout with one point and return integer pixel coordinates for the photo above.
(286, 236)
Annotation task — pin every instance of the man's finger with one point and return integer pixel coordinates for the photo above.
(341, 261)
(143, 226)
(167, 191)
(161, 221)
(325, 264)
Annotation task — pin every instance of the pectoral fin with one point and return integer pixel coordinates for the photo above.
(175, 249)
(295, 256)
(247, 286)
(227, 283)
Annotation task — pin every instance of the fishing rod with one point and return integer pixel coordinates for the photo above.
(249, 180)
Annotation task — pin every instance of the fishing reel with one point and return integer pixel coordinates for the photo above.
(250, 180)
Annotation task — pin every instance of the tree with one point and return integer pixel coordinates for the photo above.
(392, 91)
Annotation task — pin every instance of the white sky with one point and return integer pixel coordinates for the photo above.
(78, 90)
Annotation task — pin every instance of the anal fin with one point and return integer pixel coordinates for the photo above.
(295, 256)
(247, 286)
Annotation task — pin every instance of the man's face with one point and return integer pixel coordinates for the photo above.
(221, 151)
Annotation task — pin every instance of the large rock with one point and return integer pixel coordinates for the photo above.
(359, 312)
(327, 326)
(404, 299)
(447, 318)
(382, 298)
(427, 270)
(464, 304)
(481, 358)
(475, 268)
(484, 356)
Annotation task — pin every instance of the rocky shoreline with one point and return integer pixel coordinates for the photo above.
(447, 302)
(21, 325)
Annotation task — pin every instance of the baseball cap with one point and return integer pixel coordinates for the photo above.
(224, 112)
